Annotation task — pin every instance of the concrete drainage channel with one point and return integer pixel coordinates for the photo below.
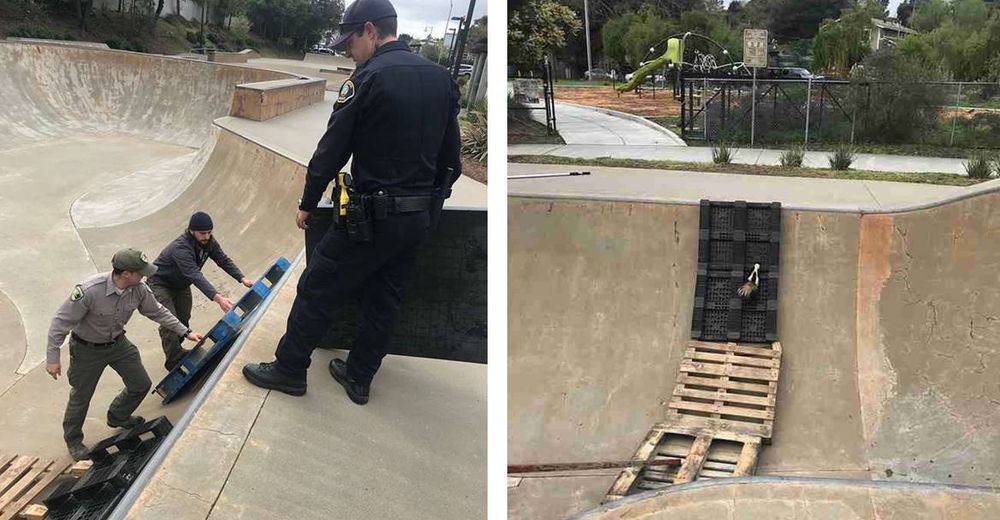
(123, 464)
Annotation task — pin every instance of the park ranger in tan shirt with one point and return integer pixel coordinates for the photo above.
(94, 316)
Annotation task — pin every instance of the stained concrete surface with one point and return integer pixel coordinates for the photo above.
(117, 149)
(416, 450)
(890, 356)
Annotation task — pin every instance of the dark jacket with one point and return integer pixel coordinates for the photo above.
(179, 264)
(397, 115)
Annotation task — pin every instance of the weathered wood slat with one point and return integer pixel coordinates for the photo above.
(692, 464)
(14, 472)
(732, 359)
(748, 460)
(628, 475)
(52, 471)
(720, 429)
(736, 348)
(13, 494)
(720, 383)
(721, 409)
(714, 474)
(722, 395)
(763, 374)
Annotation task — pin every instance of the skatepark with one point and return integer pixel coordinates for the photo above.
(887, 401)
(108, 149)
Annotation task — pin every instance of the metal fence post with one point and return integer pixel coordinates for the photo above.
(809, 88)
(753, 107)
(954, 116)
(704, 106)
(854, 113)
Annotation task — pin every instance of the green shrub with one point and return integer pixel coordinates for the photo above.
(192, 37)
(980, 166)
(474, 136)
(41, 33)
(793, 158)
(842, 158)
(722, 154)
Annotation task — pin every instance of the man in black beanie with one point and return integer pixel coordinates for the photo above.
(178, 266)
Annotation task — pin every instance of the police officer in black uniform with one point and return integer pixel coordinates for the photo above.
(397, 115)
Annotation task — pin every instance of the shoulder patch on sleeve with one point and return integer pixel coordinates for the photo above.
(77, 294)
(346, 92)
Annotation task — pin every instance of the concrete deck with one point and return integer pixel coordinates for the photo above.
(890, 347)
(97, 157)
(863, 161)
(688, 188)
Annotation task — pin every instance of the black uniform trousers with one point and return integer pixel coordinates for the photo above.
(340, 269)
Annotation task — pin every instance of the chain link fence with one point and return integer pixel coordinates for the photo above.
(793, 112)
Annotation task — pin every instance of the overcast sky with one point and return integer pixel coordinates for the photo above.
(893, 4)
(418, 17)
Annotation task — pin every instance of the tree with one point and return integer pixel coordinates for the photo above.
(431, 50)
(905, 11)
(301, 22)
(929, 14)
(478, 30)
(536, 27)
(842, 43)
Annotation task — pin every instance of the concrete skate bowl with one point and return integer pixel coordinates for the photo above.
(891, 352)
(106, 149)
(803, 499)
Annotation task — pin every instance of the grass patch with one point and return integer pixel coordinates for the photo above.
(944, 179)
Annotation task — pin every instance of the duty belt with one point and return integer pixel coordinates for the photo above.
(78, 339)
(381, 205)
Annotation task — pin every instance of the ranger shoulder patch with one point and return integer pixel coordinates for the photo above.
(77, 294)
(346, 92)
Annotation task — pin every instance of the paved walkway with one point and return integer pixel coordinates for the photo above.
(581, 125)
(685, 187)
(864, 161)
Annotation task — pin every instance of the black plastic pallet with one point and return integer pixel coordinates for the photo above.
(117, 461)
(733, 236)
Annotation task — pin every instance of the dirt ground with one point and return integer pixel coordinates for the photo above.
(649, 104)
(473, 168)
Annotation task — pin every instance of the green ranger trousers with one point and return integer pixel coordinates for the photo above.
(86, 364)
(178, 302)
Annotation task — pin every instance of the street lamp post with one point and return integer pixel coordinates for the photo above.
(586, 32)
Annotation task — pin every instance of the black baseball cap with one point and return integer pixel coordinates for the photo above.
(357, 14)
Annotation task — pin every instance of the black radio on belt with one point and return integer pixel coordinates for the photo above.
(359, 226)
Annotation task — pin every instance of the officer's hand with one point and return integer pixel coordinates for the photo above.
(194, 336)
(300, 219)
(247, 282)
(54, 369)
(223, 302)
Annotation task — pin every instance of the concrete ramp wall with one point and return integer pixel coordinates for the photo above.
(51, 91)
(888, 323)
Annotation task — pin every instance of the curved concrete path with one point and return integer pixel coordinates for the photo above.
(583, 125)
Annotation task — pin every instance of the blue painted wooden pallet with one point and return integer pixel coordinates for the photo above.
(210, 349)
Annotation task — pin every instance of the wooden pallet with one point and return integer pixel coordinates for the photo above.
(22, 478)
(721, 411)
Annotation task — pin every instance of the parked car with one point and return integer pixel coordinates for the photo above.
(597, 74)
(792, 73)
(465, 69)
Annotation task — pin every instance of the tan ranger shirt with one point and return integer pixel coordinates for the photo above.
(97, 311)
